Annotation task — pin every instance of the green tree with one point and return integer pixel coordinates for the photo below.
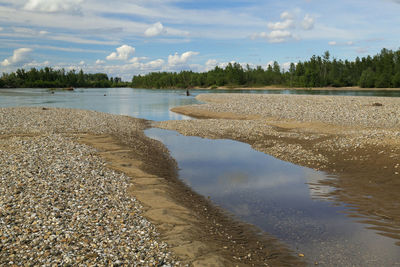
(367, 79)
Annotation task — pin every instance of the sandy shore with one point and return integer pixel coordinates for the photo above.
(90, 188)
(356, 139)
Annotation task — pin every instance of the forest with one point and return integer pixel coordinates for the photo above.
(51, 78)
(379, 71)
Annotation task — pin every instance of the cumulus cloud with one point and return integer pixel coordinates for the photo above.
(137, 59)
(279, 31)
(155, 30)
(176, 59)
(333, 43)
(99, 62)
(155, 64)
(287, 29)
(53, 6)
(211, 64)
(20, 55)
(123, 52)
(308, 22)
(286, 65)
(82, 63)
(277, 36)
(287, 22)
(281, 25)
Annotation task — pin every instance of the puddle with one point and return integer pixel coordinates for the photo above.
(280, 198)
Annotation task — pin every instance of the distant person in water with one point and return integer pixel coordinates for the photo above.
(187, 92)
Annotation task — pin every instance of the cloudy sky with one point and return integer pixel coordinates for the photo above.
(127, 37)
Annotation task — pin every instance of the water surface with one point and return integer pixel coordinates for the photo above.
(277, 197)
(140, 103)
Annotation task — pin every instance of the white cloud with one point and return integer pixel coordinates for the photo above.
(281, 25)
(54, 6)
(155, 30)
(211, 64)
(35, 64)
(1, 28)
(155, 64)
(277, 36)
(286, 15)
(82, 63)
(287, 22)
(176, 60)
(286, 66)
(137, 59)
(123, 53)
(334, 43)
(20, 55)
(126, 71)
(23, 30)
(279, 30)
(270, 63)
(308, 22)
(99, 62)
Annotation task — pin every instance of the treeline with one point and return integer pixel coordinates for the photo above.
(51, 78)
(379, 71)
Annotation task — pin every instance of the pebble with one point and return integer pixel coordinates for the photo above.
(357, 122)
(59, 202)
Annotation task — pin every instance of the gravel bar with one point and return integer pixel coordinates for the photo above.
(371, 112)
(60, 204)
(295, 128)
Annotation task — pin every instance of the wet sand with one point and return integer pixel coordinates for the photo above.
(356, 139)
(196, 232)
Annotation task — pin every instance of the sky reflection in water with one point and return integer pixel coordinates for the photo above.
(275, 196)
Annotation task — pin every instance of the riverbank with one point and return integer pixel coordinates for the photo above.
(90, 188)
(355, 139)
(272, 87)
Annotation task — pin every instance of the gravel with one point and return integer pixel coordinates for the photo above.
(338, 110)
(60, 204)
(297, 128)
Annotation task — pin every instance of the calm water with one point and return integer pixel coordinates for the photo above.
(274, 195)
(139, 103)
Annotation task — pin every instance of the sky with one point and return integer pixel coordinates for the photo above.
(130, 37)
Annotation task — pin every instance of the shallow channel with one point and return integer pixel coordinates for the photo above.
(278, 197)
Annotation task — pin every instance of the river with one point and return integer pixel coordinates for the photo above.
(278, 197)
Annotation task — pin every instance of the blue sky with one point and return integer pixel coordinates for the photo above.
(128, 37)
